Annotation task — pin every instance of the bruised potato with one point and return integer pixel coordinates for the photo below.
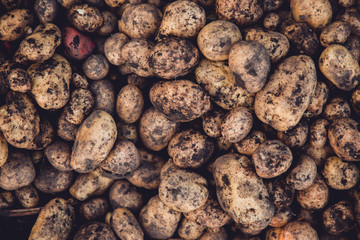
(129, 104)
(14, 24)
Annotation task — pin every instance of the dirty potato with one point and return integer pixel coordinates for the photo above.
(189, 229)
(339, 218)
(125, 225)
(95, 231)
(314, 197)
(336, 32)
(109, 23)
(27, 196)
(4, 150)
(124, 195)
(236, 124)
(298, 230)
(79, 106)
(318, 100)
(318, 133)
(353, 45)
(96, 67)
(51, 180)
(19, 80)
(85, 18)
(46, 10)
(297, 136)
(7, 199)
(66, 130)
(337, 108)
(281, 217)
(303, 175)
(129, 104)
(113, 46)
(14, 24)
(281, 193)
(104, 94)
(250, 143)
(272, 21)
(94, 208)
(211, 122)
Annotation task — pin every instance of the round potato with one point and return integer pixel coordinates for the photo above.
(113, 46)
(189, 229)
(14, 24)
(250, 143)
(125, 225)
(272, 21)
(124, 195)
(19, 80)
(337, 108)
(298, 230)
(211, 122)
(281, 192)
(295, 137)
(303, 175)
(94, 208)
(79, 81)
(129, 104)
(236, 124)
(336, 32)
(109, 23)
(51, 180)
(85, 18)
(314, 197)
(273, 234)
(339, 218)
(27, 196)
(96, 67)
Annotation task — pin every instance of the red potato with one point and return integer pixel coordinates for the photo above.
(77, 45)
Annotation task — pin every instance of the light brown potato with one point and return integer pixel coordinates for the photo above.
(113, 46)
(216, 38)
(94, 208)
(318, 133)
(114, 3)
(292, 95)
(66, 130)
(336, 32)
(19, 80)
(211, 122)
(339, 218)
(138, 81)
(297, 136)
(250, 64)
(44, 138)
(236, 124)
(94, 141)
(273, 234)
(27, 196)
(318, 100)
(189, 229)
(4, 150)
(248, 206)
(303, 175)
(127, 132)
(124, 195)
(272, 21)
(282, 194)
(125, 225)
(158, 220)
(85, 18)
(298, 230)
(14, 24)
(337, 108)
(250, 143)
(319, 154)
(55, 221)
(314, 197)
(109, 23)
(104, 94)
(95, 231)
(222, 144)
(129, 104)
(355, 101)
(79, 106)
(283, 216)
(219, 234)
(7, 199)
(183, 19)
(68, 3)
(351, 16)
(96, 67)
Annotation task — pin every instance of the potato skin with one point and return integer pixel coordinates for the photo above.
(297, 136)
(337, 108)
(7, 199)
(125, 225)
(339, 218)
(95, 231)
(211, 122)
(303, 175)
(236, 124)
(85, 18)
(293, 96)
(281, 193)
(109, 23)
(129, 104)
(314, 197)
(96, 67)
(104, 94)
(79, 106)
(124, 195)
(189, 229)
(318, 100)
(54, 221)
(94, 140)
(14, 24)
(179, 100)
(336, 32)
(46, 10)
(66, 130)
(27, 196)
(94, 208)
(77, 45)
(250, 143)
(19, 80)
(298, 230)
(113, 46)
(318, 133)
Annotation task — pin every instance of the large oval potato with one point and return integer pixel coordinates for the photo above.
(14, 24)
(129, 103)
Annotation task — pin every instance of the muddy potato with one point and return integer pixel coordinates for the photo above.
(40, 45)
(314, 197)
(298, 230)
(51, 180)
(66, 130)
(250, 65)
(216, 38)
(319, 154)
(79, 106)
(94, 208)
(282, 217)
(351, 16)
(248, 206)
(318, 133)
(346, 3)
(27, 196)
(281, 193)
(79, 81)
(77, 45)
(211, 122)
(140, 21)
(336, 32)
(353, 45)
(303, 175)
(109, 23)
(55, 221)
(124, 195)
(10, 4)
(19, 80)
(7, 199)
(240, 12)
(50, 82)
(339, 218)
(218, 81)
(344, 137)
(158, 220)
(136, 54)
(46, 10)
(179, 100)
(292, 95)
(138, 81)
(95, 231)
(4, 150)
(68, 3)
(355, 101)
(44, 138)
(113, 46)
(318, 100)
(190, 148)
(125, 225)
(217, 234)
(250, 143)
(37, 156)
(104, 93)
(273, 234)
(272, 21)
(272, 5)
(85, 18)
(156, 130)
(14, 24)
(337, 108)
(236, 124)
(96, 67)
(340, 175)
(189, 229)
(127, 132)
(114, 3)
(295, 137)
(272, 158)
(173, 57)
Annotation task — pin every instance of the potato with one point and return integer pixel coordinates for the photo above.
(340, 67)
(158, 220)
(104, 93)
(113, 46)
(19, 80)
(44, 138)
(337, 108)
(7, 199)
(40, 45)
(319, 154)
(339, 218)
(79, 106)
(77, 45)
(173, 57)
(124, 195)
(340, 175)
(96, 67)
(66, 130)
(136, 80)
(303, 175)
(318, 133)
(215, 235)
(55, 221)
(336, 32)
(314, 197)
(293, 96)
(355, 197)
(37, 156)
(27, 196)
(282, 217)
(318, 100)
(250, 65)
(240, 12)
(281, 193)
(273, 234)
(79, 81)
(298, 230)
(127, 132)
(10, 4)
(14, 24)
(272, 21)
(272, 5)
(297, 136)
(50, 82)
(140, 21)
(190, 148)
(353, 45)
(95, 231)
(94, 208)
(68, 3)
(189, 229)
(351, 16)
(216, 38)
(248, 206)
(125, 225)
(114, 3)
(183, 19)
(275, 43)
(211, 122)
(272, 158)
(4, 150)
(156, 130)
(109, 23)
(85, 18)
(346, 3)
(343, 136)
(46, 10)
(218, 81)
(250, 143)
(236, 124)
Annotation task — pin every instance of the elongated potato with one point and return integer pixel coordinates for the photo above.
(125, 225)
(129, 103)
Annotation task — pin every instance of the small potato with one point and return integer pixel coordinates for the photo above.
(190, 148)
(303, 175)
(37, 156)
(273, 234)
(138, 81)
(96, 67)
(222, 144)
(272, 21)
(79, 81)
(240, 12)
(189, 229)
(340, 175)
(337, 108)
(282, 193)
(216, 38)
(19, 80)
(298, 230)
(27, 196)
(319, 154)
(95, 231)
(113, 46)
(250, 65)
(124, 195)
(4, 150)
(318, 100)
(212, 123)
(219, 234)
(50, 82)
(272, 158)
(85, 18)
(318, 133)
(353, 45)
(14, 24)
(314, 197)
(104, 93)
(295, 137)
(340, 67)
(156, 130)
(114, 3)
(17, 172)
(7, 199)
(79, 106)
(351, 16)
(77, 45)
(125, 225)
(66, 130)
(158, 220)
(173, 57)
(339, 218)
(336, 32)
(55, 221)
(94, 208)
(51, 180)
(46, 10)
(179, 100)
(140, 21)
(127, 132)
(272, 5)
(68, 3)
(250, 143)
(109, 23)
(282, 217)
(346, 3)
(236, 124)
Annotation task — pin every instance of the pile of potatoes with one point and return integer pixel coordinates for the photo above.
(202, 119)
